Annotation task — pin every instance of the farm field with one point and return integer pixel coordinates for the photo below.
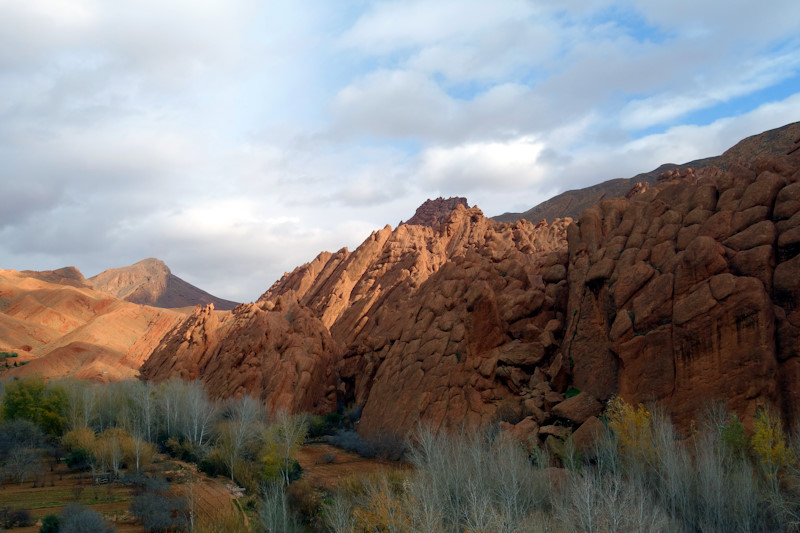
(57, 488)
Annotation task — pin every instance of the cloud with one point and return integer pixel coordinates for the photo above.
(236, 139)
(474, 166)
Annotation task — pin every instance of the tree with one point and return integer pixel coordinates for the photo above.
(769, 445)
(30, 399)
(76, 518)
(81, 405)
(240, 426)
(196, 413)
(287, 432)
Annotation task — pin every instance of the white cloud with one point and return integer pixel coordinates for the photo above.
(474, 166)
(236, 139)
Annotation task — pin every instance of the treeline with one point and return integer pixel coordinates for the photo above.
(640, 475)
(114, 431)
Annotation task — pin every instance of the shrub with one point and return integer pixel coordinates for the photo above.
(14, 518)
(79, 459)
(213, 464)
(156, 512)
(76, 518)
(50, 524)
(303, 500)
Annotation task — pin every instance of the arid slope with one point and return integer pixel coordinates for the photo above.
(66, 330)
(150, 282)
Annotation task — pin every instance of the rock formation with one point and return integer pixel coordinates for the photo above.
(685, 291)
(275, 350)
(434, 212)
(688, 292)
(150, 282)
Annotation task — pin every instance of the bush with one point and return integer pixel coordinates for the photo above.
(350, 440)
(319, 426)
(303, 500)
(79, 459)
(50, 524)
(184, 450)
(14, 518)
(213, 464)
(76, 518)
(156, 512)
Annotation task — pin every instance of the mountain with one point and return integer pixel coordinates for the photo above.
(61, 328)
(571, 203)
(150, 282)
(683, 292)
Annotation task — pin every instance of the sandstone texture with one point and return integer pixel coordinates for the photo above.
(434, 212)
(150, 282)
(688, 293)
(276, 350)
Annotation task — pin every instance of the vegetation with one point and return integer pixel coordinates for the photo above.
(641, 475)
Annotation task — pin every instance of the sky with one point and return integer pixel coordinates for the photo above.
(236, 139)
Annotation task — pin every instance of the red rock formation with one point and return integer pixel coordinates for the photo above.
(275, 350)
(444, 325)
(685, 292)
(688, 292)
(434, 212)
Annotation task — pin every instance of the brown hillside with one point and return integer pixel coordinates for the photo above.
(65, 330)
(150, 282)
(572, 203)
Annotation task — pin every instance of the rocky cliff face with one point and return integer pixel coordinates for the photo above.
(150, 282)
(276, 350)
(684, 291)
(688, 292)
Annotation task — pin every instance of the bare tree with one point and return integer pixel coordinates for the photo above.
(288, 432)
(196, 413)
(242, 423)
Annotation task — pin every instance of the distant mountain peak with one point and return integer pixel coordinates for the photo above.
(151, 282)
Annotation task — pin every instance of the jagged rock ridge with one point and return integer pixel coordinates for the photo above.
(150, 282)
(684, 292)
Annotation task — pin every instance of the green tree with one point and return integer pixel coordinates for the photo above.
(31, 399)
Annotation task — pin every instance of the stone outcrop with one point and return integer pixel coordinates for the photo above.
(688, 292)
(434, 212)
(150, 282)
(274, 350)
(445, 325)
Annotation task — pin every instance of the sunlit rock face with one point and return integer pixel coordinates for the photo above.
(683, 292)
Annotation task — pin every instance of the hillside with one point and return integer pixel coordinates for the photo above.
(572, 203)
(60, 330)
(150, 282)
(684, 292)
